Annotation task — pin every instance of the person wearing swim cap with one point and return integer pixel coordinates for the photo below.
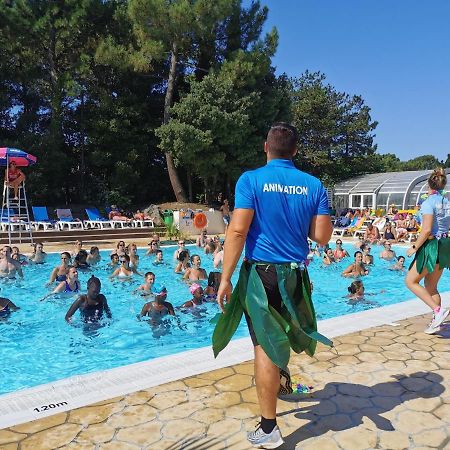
(197, 296)
(271, 198)
(159, 307)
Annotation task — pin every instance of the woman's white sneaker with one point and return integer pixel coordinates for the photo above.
(439, 317)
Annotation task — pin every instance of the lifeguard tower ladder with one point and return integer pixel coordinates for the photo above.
(15, 217)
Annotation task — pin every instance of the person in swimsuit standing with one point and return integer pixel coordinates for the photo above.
(38, 256)
(94, 256)
(92, 305)
(195, 272)
(339, 253)
(13, 178)
(59, 273)
(146, 288)
(124, 271)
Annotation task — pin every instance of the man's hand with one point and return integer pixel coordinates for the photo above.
(224, 293)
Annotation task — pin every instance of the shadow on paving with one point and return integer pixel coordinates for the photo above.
(194, 443)
(342, 406)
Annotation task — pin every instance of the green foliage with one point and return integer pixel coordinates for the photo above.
(335, 129)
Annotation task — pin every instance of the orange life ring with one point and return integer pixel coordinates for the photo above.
(200, 221)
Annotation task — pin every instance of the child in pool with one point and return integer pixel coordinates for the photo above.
(197, 297)
(146, 288)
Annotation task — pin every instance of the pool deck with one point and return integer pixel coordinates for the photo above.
(386, 387)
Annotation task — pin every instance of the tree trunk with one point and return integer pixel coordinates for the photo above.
(189, 180)
(177, 187)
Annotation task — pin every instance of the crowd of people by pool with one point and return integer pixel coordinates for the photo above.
(123, 264)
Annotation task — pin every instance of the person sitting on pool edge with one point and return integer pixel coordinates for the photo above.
(6, 307)
(159, 307)
(92, 305)
(59, 273)
(146, 288)
(195, 272)
(8, 266)
(197, 297)
(357, 268)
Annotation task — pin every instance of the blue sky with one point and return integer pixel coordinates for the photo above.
(395, 54)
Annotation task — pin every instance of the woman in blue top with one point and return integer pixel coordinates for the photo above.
(432, 249)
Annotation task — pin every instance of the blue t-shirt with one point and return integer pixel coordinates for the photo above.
(439, 206)
(285, 200)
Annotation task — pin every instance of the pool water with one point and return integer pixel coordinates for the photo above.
(38, 346)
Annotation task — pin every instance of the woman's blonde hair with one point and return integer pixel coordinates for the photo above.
(438, 179)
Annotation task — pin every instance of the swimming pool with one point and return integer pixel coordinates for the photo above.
(38, 346)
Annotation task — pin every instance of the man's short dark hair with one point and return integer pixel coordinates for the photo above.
(282, 140)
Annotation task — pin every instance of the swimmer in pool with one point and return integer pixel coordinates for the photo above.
(328, 257)
(38, 256)
(158, 308)
(134, 257)
(159, 258)
(195, 272)
(94, 256)
(197, 297)
(210, 292)
(399, 265)
(357, 268)
(152, 248)
(71, 285)
(123, 272)
(6, 307)
(146, 288)
(114, 264)
(23, 259)
(92, 305)
(8, 266)
(357, 293)
(367, 258)
(80, 261)
(76, 248)
(59, 273)
(339, 253)
(183, 262)
(387, 254)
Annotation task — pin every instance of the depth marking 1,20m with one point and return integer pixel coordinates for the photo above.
(49, 406)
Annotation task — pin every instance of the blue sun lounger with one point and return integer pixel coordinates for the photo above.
(67, 221)
(96, 220)
(41, 219)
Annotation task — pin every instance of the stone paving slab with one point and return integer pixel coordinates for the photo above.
(382, 388)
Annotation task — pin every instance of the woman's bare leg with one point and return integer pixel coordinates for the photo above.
(412, 282)
(431, 284)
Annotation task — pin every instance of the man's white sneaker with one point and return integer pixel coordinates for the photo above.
(259, 439)
(439, 317)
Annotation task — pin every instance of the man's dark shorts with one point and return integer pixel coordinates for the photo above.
(268, 275)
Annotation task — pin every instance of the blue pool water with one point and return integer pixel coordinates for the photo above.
(38, 346)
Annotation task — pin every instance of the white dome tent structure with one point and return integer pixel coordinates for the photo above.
(380, 190)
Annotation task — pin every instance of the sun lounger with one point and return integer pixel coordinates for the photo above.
(143, 223)
(41, 219)
(340, 231)
(67, 221)
(96, 220)
(11, 221)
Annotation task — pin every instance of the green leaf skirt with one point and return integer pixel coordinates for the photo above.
(295, 327)
(432, 252)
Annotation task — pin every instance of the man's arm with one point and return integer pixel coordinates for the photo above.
(321, 229)
(234, 244)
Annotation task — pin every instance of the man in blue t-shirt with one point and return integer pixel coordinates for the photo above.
(277, 208)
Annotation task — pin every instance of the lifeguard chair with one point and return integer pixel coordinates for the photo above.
(15, 217)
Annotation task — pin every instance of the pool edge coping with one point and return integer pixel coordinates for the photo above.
(82, 390)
